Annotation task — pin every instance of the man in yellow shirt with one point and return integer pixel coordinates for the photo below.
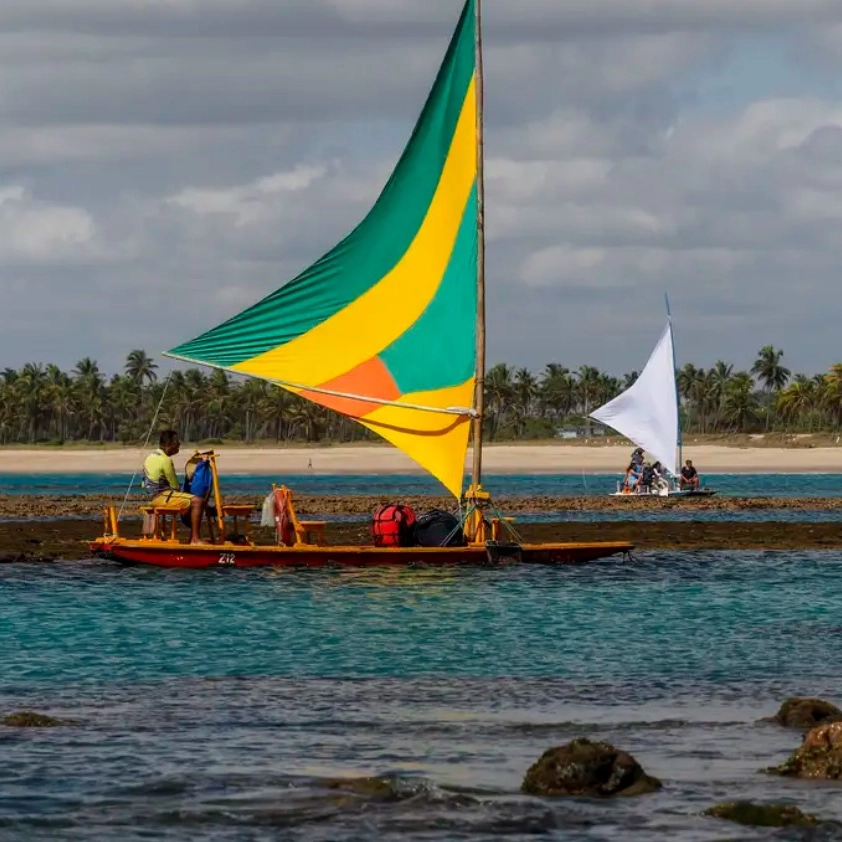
(161, 482)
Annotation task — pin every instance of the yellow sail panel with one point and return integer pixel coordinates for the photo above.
(437, 441)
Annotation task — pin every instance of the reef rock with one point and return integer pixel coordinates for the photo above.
(819, 756)
(32, 719)
(587, 768)
(805, 713)
(760, 815)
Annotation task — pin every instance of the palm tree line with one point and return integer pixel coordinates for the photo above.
(43, 403)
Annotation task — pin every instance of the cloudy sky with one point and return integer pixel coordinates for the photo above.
(165, 163)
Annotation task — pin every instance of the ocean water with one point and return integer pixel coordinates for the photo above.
(213, 705)
(520, 485)
(655, 514)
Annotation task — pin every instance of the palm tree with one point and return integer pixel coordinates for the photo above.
(588, 384)
(720, 375)
(41, 401)
(629, 379)
(140, 367)
(30, 388)
(797, 400)
(769, 370)
(525, 391)
(831, 394)
(499, 392)
(557, 391)
(741, 406)
(771, 373)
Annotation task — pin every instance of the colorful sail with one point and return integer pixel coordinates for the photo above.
(383, 327)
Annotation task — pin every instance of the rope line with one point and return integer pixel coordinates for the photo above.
(145, 445)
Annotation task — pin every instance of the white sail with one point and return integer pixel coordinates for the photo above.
(647, 412)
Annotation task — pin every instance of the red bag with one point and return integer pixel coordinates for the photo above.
(393, 526)
(284, 529)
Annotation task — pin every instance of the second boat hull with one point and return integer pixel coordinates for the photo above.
(172, 554)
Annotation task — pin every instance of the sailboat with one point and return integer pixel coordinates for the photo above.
(387, 328)
(647, 413)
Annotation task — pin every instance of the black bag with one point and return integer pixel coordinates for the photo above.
(438, 528)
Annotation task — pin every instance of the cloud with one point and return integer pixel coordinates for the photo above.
(249, 203)
(164, 164)
(41, 232)
(261, 18)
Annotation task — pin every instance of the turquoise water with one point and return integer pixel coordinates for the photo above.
(525, 485)
(211, 704)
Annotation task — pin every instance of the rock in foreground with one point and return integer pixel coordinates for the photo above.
(760, 815)
(586, 768)
(819, 757)
(805, 713)
(32, 719)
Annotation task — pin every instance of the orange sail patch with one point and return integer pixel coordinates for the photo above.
(370, 378)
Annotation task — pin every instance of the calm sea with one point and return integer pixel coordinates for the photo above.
(398, 486)
(213, 704)
(525, 485)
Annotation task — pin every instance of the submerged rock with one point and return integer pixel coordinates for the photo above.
(32, 719)
(587, 768)
(819, 756)
(377, 788)
(760, 815)
(801, 712)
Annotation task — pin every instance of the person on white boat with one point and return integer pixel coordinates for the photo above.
(689, 477)
(634, 475)
(637, 456)
(659, 480)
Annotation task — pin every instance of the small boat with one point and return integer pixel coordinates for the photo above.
(387, 328)
(647, 413)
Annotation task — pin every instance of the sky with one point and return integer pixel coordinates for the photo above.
(165, 164)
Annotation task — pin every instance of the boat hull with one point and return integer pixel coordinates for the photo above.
(172, 554)
(699, 492)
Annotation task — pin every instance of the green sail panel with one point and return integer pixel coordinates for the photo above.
(374, 247)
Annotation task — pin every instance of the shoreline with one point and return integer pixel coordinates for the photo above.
(497, 459)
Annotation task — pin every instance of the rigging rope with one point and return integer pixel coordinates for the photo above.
(145, 445)
(468, 411)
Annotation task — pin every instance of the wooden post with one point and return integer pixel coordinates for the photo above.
(479, 393)
(220, 516)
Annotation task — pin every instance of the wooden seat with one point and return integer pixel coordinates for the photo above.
(311, 531)
(161, 513)
(289, 529)
(235, 510)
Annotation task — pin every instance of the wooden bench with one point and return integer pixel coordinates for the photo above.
(237, 510)
(161, 513)
(311, 531)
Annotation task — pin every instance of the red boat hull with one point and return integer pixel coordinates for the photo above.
(166, 554)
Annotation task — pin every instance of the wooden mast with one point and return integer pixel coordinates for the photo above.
(479, 395)
(679, 439)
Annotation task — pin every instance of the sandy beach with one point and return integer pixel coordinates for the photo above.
(497, 459)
